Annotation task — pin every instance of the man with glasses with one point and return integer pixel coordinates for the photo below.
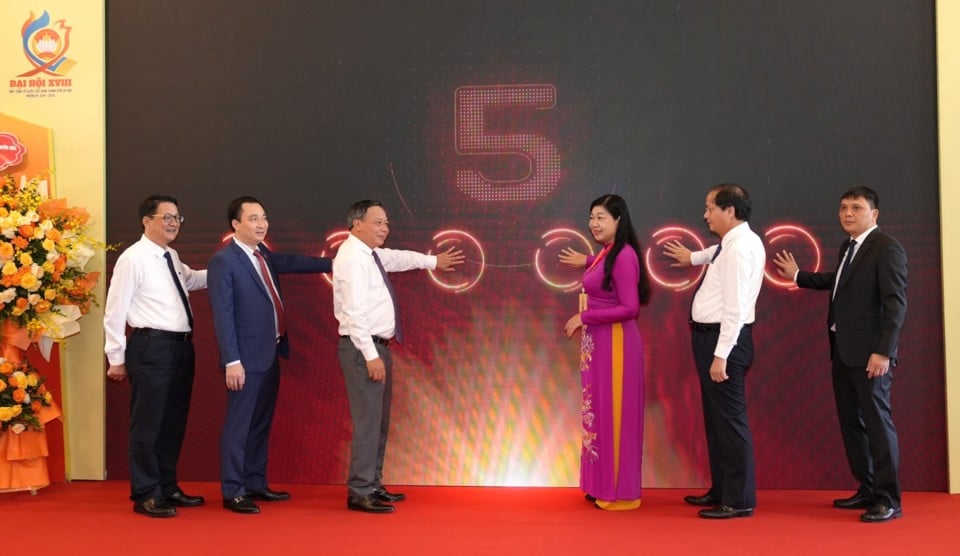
(148, 291)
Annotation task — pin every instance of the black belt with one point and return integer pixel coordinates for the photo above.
(712, 326)
(377, 340)
(165, 334)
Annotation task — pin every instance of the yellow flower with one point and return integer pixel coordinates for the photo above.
(6, 413)
(50, 294)
(25, 259)
(9, 268)
(30, 283)
(49, 244)
(6, 250)
(33, 379)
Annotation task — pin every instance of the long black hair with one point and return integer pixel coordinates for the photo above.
(626, 235)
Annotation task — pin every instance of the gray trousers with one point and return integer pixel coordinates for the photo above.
(370, 413)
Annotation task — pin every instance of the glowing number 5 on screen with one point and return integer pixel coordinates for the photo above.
(543, 161)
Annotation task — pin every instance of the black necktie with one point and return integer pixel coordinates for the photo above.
(397, 329)
(704, 277)
(183, 294)
(716, 253)
(845, 271)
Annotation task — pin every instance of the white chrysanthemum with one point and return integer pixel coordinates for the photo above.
(9, 232)
(79, 255)
(8, 295)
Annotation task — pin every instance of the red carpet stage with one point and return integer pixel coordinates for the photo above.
(95, 518)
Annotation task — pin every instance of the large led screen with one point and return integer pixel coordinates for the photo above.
(490, 126)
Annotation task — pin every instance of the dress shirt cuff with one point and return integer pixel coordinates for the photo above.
(795, 274)
(722, 350)
(116, 358)
(236, 362)
(698, 258)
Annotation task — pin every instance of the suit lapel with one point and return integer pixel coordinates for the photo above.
(247, 264)
(857, 257)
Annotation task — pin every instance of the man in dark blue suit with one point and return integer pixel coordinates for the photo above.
(251, 332)
(867, 308)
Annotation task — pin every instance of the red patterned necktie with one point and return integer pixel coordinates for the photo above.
(277, 306)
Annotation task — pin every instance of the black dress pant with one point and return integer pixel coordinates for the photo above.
(161, 381)
(729, 440)
(866, 424)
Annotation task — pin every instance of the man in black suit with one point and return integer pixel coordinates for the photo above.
(867, 307)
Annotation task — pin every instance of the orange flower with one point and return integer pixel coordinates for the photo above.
(54, 234)
(52, 208)
(43, 306)
(6, 250)
(19, 395)
(3, 385)
(20, 242)
(22, 303)
(6, 368)
(36, 406)
(60, 265)
(26, 231)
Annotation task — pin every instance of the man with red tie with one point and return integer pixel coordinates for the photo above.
(250, 323)
(366, 306)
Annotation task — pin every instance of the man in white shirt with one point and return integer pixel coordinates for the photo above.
(148, 291)
(365, 305)
(721, 319)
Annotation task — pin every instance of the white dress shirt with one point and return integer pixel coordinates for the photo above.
(143, 295)
(361, 301)
(728, 294)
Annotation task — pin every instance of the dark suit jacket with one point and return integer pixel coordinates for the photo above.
(242, 311)
(871, 302)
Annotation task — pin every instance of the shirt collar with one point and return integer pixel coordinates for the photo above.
(859, 239)
(735, 231)
(360, 244)
(246, 248)
(156, 249)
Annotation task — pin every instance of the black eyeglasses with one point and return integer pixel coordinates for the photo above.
(169, 218)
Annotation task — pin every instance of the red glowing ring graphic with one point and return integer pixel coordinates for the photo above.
(449, 238)
(787, 232)
(671, 233)
(551, 237)
(333, 241)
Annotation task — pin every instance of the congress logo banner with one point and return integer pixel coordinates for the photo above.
(45, 44)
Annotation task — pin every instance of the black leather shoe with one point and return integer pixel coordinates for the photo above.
(705, 500)
(241, 505)
(590, 498)
(154, 507)
(368, 504)
(382, 495)
(881, 512)
(267, 495)
(725, 512)
(856, 502)
(180, 498)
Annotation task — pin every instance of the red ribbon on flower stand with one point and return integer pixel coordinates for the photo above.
(27, 461)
